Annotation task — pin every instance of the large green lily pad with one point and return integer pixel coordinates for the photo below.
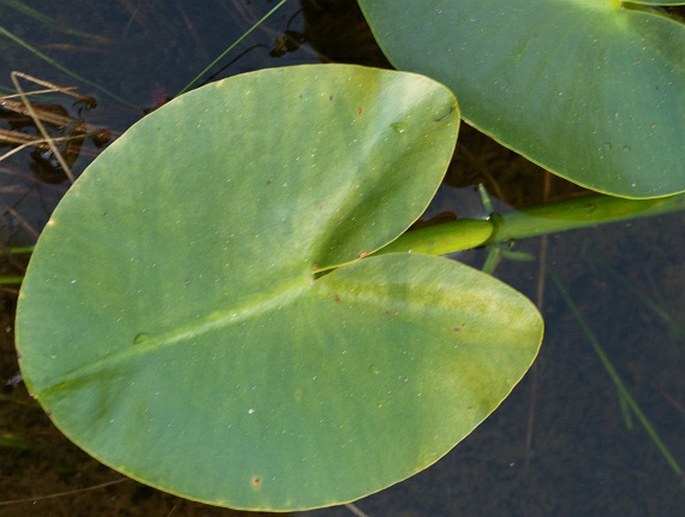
(175, 322)
(591, 90)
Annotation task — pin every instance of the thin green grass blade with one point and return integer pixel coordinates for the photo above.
(623, 393)
(49, 21)
(233, 45)
(26, 45)
(676, 328)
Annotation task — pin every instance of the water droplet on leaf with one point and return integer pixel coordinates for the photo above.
(140, 338)
(398, 127)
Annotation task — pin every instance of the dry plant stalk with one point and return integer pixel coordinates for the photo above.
(40, 117)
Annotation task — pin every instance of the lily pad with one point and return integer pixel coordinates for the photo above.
(592, 90)
(180, 322)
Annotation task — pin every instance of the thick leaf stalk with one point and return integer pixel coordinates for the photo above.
(571, 214)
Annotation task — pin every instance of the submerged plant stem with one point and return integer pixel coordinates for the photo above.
(626, 400)
(465, 234)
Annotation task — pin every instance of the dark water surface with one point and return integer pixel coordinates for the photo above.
(559, 445)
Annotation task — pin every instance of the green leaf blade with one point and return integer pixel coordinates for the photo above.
(595, 95)
(172, 324)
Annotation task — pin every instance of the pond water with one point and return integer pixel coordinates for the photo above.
(560, 444)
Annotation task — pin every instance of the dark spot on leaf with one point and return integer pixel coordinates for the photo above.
(359, 110)
(330, 97)
(298, 394)
(337, 298)
(315, 267)
(456, 328)
(256, 482)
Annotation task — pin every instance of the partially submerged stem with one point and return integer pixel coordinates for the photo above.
(11, 279)
(581, 213)
(465, 234)
(570, 214)
(444, 238)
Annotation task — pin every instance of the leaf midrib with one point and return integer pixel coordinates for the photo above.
(285, 294)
